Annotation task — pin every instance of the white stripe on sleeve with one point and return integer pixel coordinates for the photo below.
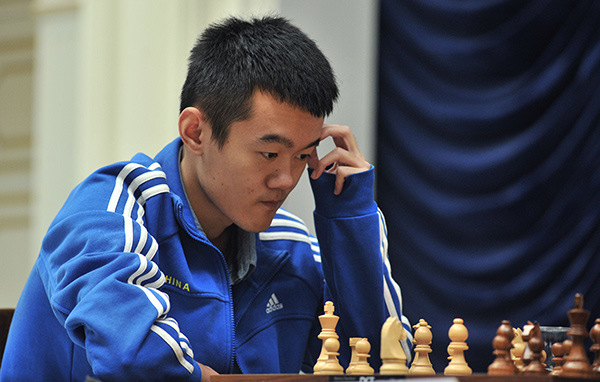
(175, 346)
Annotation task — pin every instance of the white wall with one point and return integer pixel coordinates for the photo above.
(107, 78)
(346, 32)
(16, 88)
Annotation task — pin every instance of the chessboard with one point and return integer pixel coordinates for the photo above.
(519, 354)
(391, 378)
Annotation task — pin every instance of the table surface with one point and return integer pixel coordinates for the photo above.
(383, 378)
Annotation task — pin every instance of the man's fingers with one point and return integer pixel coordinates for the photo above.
(343, 160)
(342, 137)
(313, 159)
(341, 175)
(338, 158)
(207, 372)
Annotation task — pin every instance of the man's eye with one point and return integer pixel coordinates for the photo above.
(270, 155)
(304, 156)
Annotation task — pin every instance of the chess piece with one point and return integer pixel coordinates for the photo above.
(516, 353)
(458, 335)
(502, 343)
(577, 363)
(332, 365)
(422, 338)
(533, 335)
(595, 348)
(393, 358)
(558, 351)
(567, 345)
(543, 356)
(328, 323)
(362, 366)
(353, 357)
(527, 354)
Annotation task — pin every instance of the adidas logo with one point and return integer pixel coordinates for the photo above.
(273, 304)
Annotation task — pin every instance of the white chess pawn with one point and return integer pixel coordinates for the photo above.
(362, 367)
(332, 365)
(458, 334)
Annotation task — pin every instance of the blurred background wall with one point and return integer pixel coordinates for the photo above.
(16, 106)
(84, 83)
(489, 119)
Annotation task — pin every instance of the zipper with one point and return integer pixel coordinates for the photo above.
(233, 328)
(229, 287)
(264, 285)
(268, 281)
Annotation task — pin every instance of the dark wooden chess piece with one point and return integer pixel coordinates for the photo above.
(533, 335)
(527, 354)
(595, 348)
(558, 351)
(502, 343)
(567, 345)
(577, 363)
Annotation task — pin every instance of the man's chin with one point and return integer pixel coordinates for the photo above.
(258, 230)
(257, 227)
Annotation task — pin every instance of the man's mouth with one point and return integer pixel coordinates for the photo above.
(272, 204)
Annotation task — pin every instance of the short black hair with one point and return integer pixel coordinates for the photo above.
(234, 58)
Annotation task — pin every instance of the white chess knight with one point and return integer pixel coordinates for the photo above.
(393, 358)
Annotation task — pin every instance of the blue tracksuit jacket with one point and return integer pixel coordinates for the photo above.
(127, 288)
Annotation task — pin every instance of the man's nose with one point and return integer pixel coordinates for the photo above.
(284, 178)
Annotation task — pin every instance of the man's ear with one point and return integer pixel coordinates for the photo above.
(193, 129)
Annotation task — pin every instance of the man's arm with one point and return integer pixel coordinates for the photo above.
(97, 267)
(353, 241)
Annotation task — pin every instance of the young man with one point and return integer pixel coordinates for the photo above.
(184, 265)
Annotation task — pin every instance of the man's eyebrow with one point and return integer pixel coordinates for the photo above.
(313, 144)
(275, 138)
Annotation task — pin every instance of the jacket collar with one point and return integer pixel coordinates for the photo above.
(168, 158)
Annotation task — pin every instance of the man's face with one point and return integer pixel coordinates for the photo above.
(249, 178)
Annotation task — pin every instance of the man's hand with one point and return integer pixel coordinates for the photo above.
(207, 371)
(342, 161)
